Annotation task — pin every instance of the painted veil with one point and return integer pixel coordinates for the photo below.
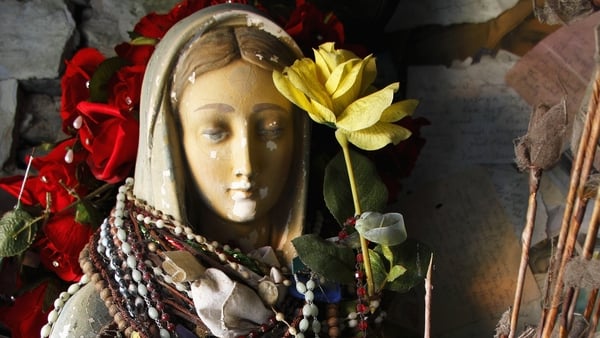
(160, 176)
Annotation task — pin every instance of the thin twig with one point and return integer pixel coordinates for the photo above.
(428, 288)
(573, 206)
(534, 184)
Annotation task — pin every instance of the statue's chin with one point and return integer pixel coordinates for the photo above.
(244, 210)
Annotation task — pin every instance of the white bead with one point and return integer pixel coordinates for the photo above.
(164, 333)
(304, 323)
(352, 323)
(168, 279)
(58, 303)
(180, 287)
(309, 296)
(120, 196)
(120, 205)
(142, 291)
(147, 220)
(126, 248)
(299, 335)
(46, 330)
(139, 217)
(129, 181)
(152, 312)
(352, 315)
(310, 284)
(157, 270)
(188, 230)
(121, 235)
(64, 296)
(306, 311)
(119, 222)
(136, 275)
(160, 224)
(52, 316)
(178, 230)
(316, 326)
(292, 330)
(73, 288)
(314, 310)
(190, 236)
(279, 317)
(84, 279)
(122, 189)
(300, 287)
(131, 262)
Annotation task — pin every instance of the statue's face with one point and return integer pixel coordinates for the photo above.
(238, 137)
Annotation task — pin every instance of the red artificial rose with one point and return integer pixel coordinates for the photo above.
(75, 84)
(135, 54)
(57, 178)
(26, 316)
(111, 137)
(127, 87)
(59, 249)
(310, 27)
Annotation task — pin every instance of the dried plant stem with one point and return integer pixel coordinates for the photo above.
(535, 175)
(428, 288)
(594, 322)
(574, 206)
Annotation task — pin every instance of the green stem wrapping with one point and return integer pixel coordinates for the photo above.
(364, 245)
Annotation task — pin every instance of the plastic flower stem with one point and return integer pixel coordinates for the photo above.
(364, 245)
(535, 175)
(24, 180)
(428, 288)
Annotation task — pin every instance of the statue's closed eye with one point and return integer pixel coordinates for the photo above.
(215, 134)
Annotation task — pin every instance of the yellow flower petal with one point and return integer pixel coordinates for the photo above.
(399, 110)
(378, 136)
(367, 110)
(344, 84)
(303, 75)
(328, 58)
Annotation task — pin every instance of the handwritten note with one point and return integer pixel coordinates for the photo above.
(411, 13)
(476, 254)
(474, 115)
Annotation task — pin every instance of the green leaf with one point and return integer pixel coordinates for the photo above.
(414, 256)
(328, 259)
(378, 269)
(388, 254)
(99, 81)
(395, 272)
(17, 232)
(85, 213)
(372, 192)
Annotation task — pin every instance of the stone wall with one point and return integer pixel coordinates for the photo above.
(37, 36)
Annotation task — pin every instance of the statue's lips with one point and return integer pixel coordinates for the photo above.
(239, 195)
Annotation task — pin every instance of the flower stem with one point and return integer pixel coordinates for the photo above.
(364, 245)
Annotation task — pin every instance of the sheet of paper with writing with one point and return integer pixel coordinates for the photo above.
(474, 116)
(561, 64)
(411, 13)
(476, 254)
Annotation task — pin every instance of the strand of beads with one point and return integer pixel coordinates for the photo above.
(59, 304)
(309, 311)
(362, 306)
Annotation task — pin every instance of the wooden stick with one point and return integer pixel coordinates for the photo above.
(428, 288)
(594, 322)
(535, 175)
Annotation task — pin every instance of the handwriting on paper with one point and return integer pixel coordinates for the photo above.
(474, 115)
(476, 253)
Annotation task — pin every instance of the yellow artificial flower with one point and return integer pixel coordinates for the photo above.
(336, 90)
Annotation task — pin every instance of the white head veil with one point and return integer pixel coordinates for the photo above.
(160, 172)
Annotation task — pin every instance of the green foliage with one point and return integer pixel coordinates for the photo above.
(17, 232)
(328, 259)
(399, 268)
(372, 192)
(99, 81)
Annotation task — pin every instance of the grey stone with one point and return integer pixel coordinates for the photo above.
(34, 36)
(8, 111)
(41, 120)
(106, 23)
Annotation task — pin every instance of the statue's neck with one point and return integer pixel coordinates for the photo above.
(247, 235)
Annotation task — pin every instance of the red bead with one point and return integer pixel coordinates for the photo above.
(342, 234)
(361, 308)
(351, 221)
(165, 317)
(171, 327)
(359, 258)
(263, 328)
(359, 274)
(362, 325)
(361, 291)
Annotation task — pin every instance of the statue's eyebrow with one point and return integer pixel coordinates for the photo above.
(219, 107)
(268, 106)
